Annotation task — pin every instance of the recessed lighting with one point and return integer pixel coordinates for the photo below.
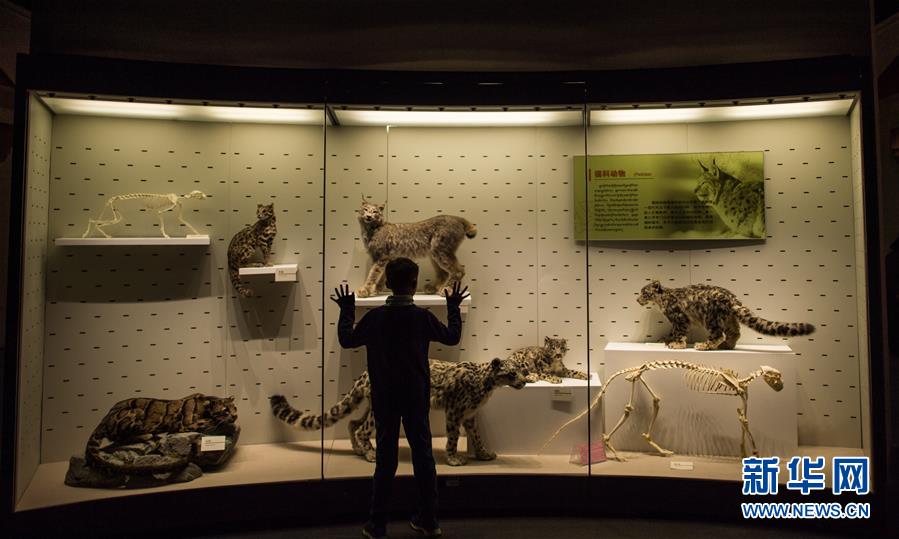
(708, 113)
(197, 113)
(458, 118)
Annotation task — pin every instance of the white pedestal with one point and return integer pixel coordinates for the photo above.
(422, 300)
(282, 272)
(199, 239)
(693, 423)
(520, 421)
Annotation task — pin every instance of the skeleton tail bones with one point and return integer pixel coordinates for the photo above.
(161, 203)
(698, 378)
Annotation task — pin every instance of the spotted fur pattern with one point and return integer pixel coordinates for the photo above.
(437, 238)
(545, 362)
(714, 308)
(242, 251)
(460, 389)
(739, 204)
(131, 419)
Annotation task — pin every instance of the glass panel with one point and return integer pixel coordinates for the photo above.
(142, 315)
(692, 177)
(508, 174)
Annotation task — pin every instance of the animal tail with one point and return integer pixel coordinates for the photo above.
(310, 421)
(470, 230)
(767, 327)
(235, 280)
(92, 450)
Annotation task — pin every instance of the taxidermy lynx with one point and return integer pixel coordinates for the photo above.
(437, 238)
(244, 245)
(740, 205)
(131, 419)
(545, 362)
(716, 309)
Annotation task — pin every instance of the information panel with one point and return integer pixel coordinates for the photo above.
(681, 196)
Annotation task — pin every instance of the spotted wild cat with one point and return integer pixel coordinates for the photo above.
(437, 238)
(460, 389)
(545, 362)
(242, 251)
(131, 419)
(714, 308)
(739, 204)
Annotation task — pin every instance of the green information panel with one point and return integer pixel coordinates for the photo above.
(684, 196)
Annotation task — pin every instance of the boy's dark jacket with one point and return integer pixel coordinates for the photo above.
(397, 338)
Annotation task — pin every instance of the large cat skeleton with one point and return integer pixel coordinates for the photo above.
(160, 203)
(699, 378)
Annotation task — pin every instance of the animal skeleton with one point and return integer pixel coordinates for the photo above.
(160, 203)
(699, 378)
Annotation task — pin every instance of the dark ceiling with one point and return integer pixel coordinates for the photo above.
(468, 35)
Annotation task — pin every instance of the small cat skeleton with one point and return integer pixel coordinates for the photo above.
(699, 378)
(160, 203)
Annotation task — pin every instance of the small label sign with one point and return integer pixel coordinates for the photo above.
(681, 465)
(562, 394)
(212, 443)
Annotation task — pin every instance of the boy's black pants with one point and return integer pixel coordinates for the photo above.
(418, 432)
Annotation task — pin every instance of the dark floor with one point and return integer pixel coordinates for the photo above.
(567, 528)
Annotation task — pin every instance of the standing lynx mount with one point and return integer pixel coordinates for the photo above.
(252, 239)
(436, 238)
(714, 308)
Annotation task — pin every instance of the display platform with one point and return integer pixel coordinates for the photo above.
(694, 422)
(282, 272)
(201, 239)
(422, 300)
(300, 461)
(538, 410)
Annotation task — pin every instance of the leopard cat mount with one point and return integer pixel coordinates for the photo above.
(701, 378)
(437, 238)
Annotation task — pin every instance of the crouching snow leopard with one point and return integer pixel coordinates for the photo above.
(460, 389)
(714, 308)
(545, 362)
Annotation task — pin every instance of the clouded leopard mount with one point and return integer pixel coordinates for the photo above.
(714, 308)
(437, 238)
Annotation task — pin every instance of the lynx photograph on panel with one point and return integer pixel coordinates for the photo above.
(692, 196)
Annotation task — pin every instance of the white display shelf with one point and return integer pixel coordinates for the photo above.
(660, 348)
(282, 272)
(202, 239)
(422, 300)
(546, 406)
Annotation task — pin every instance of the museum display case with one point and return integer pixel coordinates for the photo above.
(182, 244)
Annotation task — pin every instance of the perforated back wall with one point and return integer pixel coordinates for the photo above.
(163, 321)
(152, 321)
(523, 267)
(33, 294)
(804, 271)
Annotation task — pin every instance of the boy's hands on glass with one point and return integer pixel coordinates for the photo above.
(457, 296)
(343, 297)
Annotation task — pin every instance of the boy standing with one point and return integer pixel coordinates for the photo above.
(397, 337)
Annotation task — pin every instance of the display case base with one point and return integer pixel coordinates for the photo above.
(422, 300)
(200, 239)
(695, 423)
(281, 272)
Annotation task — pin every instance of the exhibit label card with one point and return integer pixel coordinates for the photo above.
(685, 196)
(212, 443)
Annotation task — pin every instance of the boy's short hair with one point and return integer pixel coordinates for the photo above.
(401, 271)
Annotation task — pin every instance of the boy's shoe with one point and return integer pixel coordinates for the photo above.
(425, 531)
(372, 532)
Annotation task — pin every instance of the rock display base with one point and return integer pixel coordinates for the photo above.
(181, 450)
